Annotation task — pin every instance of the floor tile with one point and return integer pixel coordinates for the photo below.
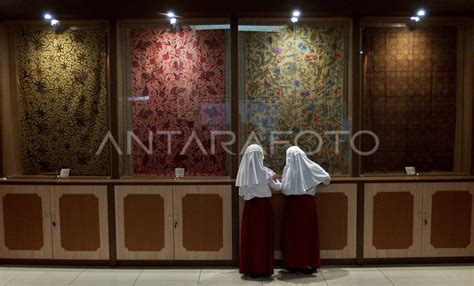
(411, 272)
(285, 278)
(15, 282)
(124, 275)
(464, 281)
(7, 274)
(170, 274)
(424, 281)
(101, 283)
(166, 283)
(351, 273)
(458, 271)
(359, 282)
(220, 275)
(231, 282)
(49, 274)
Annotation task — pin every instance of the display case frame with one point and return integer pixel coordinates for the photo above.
(10, 141)
(464, 86)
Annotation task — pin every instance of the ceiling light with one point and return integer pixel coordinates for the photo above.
(170, 14)
(296, 13)
(421, 13)
(47, 16)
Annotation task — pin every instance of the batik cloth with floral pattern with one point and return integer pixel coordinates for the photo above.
(181, 76)
(62, 96)
(294, 81)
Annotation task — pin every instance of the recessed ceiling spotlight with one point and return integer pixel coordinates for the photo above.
(421, 13)
(173, 21)
(47, 16)
(296, 13)
(415, 18)
(294, 19)
(54, 22)
(171, 14)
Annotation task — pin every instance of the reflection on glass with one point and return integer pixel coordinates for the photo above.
(62, 100)
(178, 84)
(294, 86)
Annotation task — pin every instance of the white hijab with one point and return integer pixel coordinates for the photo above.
(300, 174)
(251, 169)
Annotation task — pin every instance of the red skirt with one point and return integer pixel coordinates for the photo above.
(256, 237)
(300, 243)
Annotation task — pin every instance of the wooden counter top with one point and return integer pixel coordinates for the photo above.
(219, 181)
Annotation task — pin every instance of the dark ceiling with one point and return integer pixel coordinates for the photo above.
(83, 9)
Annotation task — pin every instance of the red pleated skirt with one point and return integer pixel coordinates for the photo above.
(257, 237)
(300, 243)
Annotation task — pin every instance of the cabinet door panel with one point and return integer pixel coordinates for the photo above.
(448, 228)
(144, 222)
(25, 222)
(392, 220)
(203, 222)
(337, 215)
(80, 222)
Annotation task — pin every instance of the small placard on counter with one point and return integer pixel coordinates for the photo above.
(179, 172)
(64, 173)
(410, 171)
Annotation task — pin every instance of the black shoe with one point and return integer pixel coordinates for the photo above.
(253, 275)
(308, 271)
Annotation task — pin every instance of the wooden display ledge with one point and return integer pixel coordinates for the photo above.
(215, 180)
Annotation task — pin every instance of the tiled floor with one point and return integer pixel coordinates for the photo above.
(367, 276)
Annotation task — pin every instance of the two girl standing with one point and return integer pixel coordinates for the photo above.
(300, 243)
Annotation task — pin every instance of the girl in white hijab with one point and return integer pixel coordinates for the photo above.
(256, 242)
(300, 244)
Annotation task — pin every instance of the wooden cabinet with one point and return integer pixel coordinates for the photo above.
(54, 222)
(203, 222)
(337, 215)
(80, 222)
(419, 220)
(25, 222)
(144, 222)
(392, 220)
(182, 222)
(448, 219)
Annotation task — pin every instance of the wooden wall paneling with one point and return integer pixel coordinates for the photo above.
(144, 222)
(111, 214)
(25, 222)
(234, 75)
(113, 98)
(3, 81)
(203, 222)
(392, 220)
(356, 95)
(448, 214)
(460, 125)
(467, 96)
(360, 223)
(80, 222)
(11, 156)
(337, 215)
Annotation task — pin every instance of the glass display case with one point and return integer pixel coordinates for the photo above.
(176, 98)
(411, 96)
(58, 102)
(294, 88)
